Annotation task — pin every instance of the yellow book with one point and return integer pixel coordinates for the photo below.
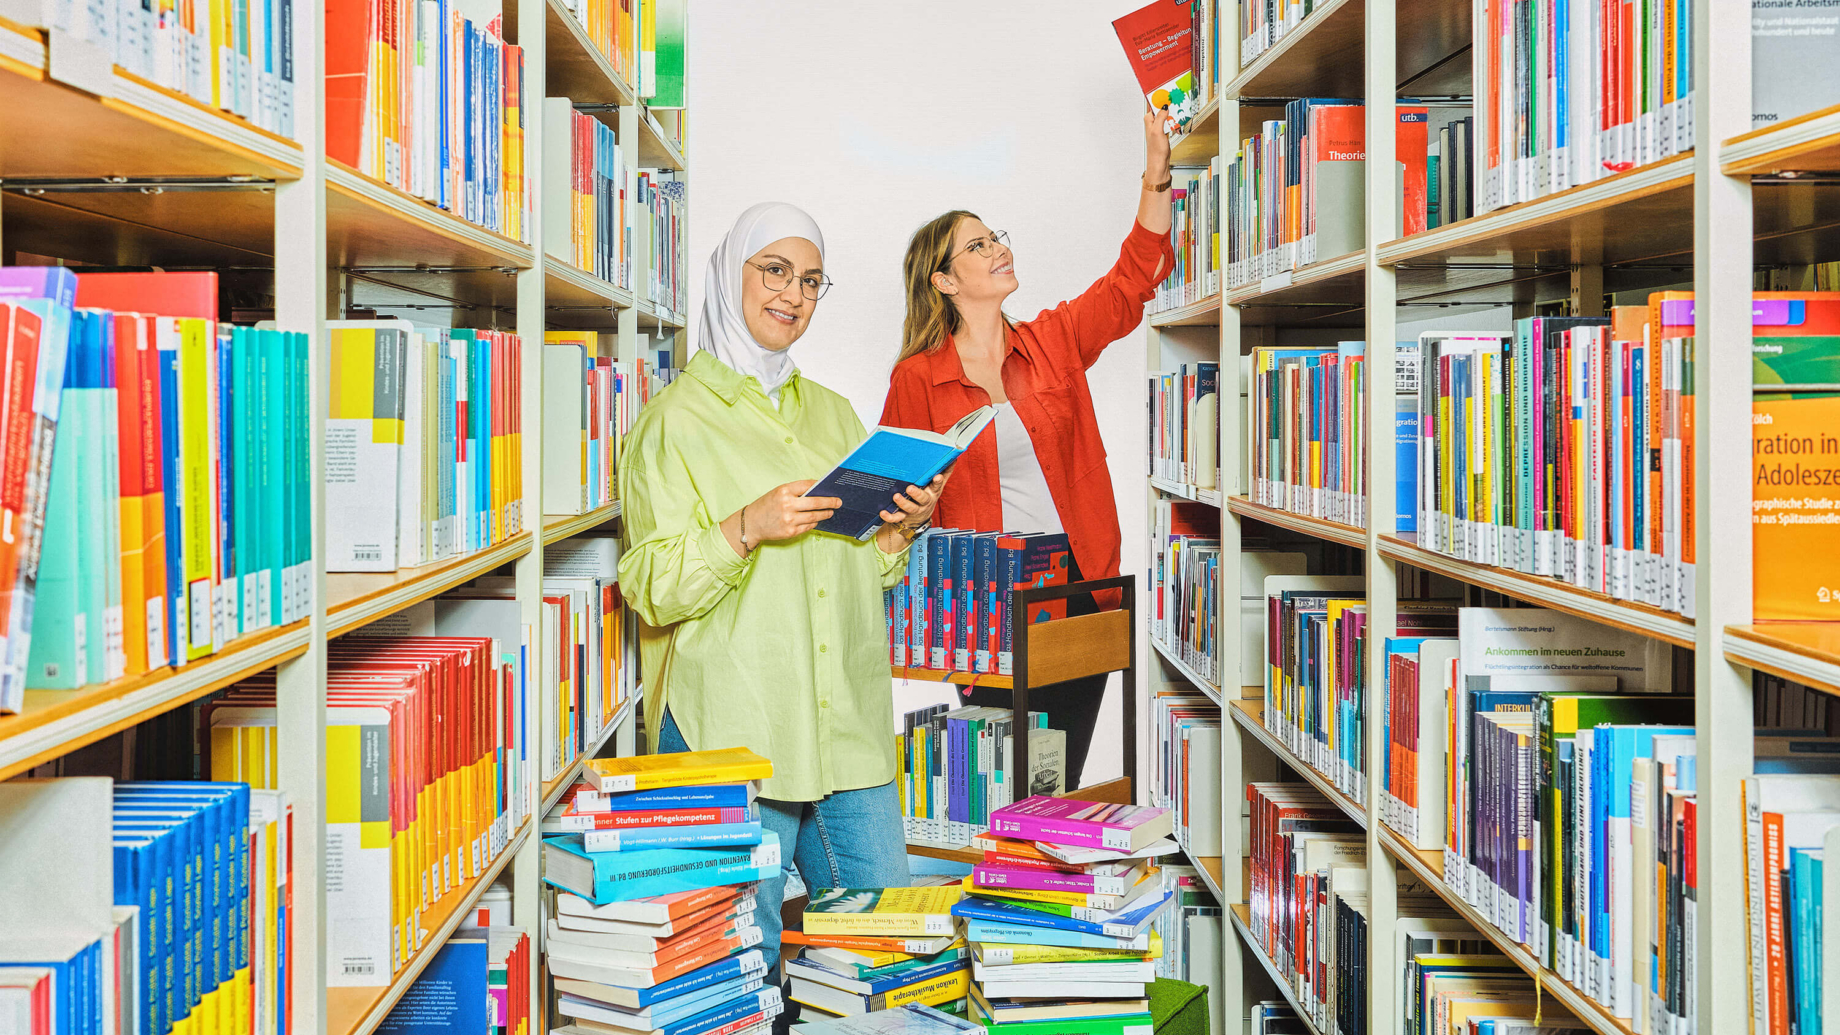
(686, 769)
(996, 954)
(883, 912)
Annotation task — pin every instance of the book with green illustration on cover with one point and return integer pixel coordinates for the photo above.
(888, 912)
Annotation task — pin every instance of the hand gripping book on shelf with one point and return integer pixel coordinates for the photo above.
(886, 463)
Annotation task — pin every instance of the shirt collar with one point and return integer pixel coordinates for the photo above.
(726, 382)
(945, 364)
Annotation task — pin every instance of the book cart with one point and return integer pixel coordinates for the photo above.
(102, 166)
(1739, 200)
(1052, 652)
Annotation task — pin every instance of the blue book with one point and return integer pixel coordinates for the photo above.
(984, 592)
(1804, 905)
(602, 877)
(981, 930)
(886, 463)
(745, 966)
(707, 796)
(664, 1011)
(873, 986)
(76, 992)
(1127, 923)
(697, 836)
(451, 995)
(763, 1001)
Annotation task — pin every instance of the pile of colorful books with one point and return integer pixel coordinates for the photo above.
(654, 860)
(866, 950)
(1060, 912)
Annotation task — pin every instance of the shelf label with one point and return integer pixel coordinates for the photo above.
(1275, 283)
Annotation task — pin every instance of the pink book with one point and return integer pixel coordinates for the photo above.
(1087, 824)
(986, 875)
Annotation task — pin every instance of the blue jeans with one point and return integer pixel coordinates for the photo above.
(850, 839)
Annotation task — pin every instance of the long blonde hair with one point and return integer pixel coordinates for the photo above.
(931, 316)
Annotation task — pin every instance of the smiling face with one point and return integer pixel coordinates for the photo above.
(973, 277)
(776, 318)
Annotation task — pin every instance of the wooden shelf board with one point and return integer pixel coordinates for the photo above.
(48, 129)
(371, 224)
(1334, 531)
(1321, 57)
(1334, 280)
(657, 151)
(1115, 790)
(1209, 867)
(355, 598)
(576, 68)
(358, 1011)
(1205, 313)
(1643, 214)
(1807, 652)
(660, 317)
(1201, 143)
(1808, 143)
(557, 527)
(219, 229)
(1200, 682)
(1250, 714)
(1428, 867)
(933, 675)
(1241, 917)
(1183, 490)
(1547, 592)
(57, 722)
(564, 285)
(553, 789)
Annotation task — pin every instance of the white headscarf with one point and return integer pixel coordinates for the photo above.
(724, 330)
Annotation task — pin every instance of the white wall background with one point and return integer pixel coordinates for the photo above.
(877, 115)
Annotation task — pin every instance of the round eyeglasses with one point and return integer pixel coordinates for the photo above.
(777, 276)
(985, 247)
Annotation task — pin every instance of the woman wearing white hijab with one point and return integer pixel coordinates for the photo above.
(757, 631)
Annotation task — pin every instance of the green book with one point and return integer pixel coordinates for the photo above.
(1810, 360)
(1123, 1024)
(57, 659)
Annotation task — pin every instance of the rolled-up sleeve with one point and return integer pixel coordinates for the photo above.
(677, 562)
(1114, 305)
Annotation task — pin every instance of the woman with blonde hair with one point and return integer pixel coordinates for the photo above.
(1040, 467)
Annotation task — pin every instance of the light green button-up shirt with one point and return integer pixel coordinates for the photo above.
(785, 652)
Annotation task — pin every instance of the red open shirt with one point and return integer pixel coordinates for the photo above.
(1045, 378)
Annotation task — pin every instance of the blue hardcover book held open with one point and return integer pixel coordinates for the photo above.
(887, 462)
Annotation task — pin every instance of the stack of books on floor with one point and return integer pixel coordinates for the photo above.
(902, 1020)
(654, 862)
(866, 950)
(1060, 915)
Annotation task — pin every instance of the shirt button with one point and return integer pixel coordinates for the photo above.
(824, 648)
(820, 594)
(824, 704)
(788, 439)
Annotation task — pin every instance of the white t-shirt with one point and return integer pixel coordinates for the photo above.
(1028, 506)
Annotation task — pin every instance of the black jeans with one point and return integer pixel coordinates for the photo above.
(1072, 707)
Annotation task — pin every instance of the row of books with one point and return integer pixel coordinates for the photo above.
(1575, 93)
(432, 101)
(952, 608)
(662, 236)
(1306, 430)
(955, 768)
(478, 983)
(1448, 166)
(1195, 234)
(588, 192)
(589, 400)
(639, 38)
(1185, 730)
(1295, 192)
(171, 911)
(1308, 888)
(1192, 933)
(427, 744)
(171, 515)
(1184, 583)
(434, 469)
(1792, 820)
(233, 55)
(1185, 425)
(650, 925)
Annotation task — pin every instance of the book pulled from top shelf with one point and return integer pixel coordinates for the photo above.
(886, 463)
(1185, 425)
(1296, 191)
(1185, 730)
(1307, 430)
(447, 795)
(170, 516)
(432, 102)
(479, 981)
(423, 444)
(588, 215)
(1195, 234)
(589, 400)
(954, 608)
(1170, 46)
(955, 769)
(1184, 583)
(236, 56)
(1576, 92)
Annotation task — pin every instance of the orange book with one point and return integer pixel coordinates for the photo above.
(1795, 506)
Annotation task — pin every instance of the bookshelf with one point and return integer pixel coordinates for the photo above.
(1691, 218)
(105, 167)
